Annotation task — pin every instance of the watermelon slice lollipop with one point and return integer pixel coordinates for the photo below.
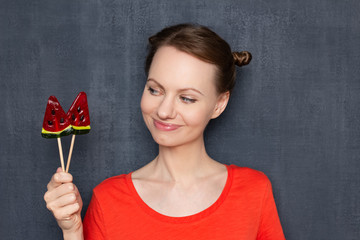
(79, 118)
(78, 115)
(56, 124)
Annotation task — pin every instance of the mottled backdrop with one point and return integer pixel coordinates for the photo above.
(294, 113)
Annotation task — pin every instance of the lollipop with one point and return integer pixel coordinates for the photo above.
(79, 118)
(57, 123)
(78, 115)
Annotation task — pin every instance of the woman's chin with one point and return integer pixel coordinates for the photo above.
(171, 141)
(166, 142)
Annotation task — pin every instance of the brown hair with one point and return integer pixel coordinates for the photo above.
(201, 42)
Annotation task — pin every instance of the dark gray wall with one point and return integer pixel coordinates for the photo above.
(294, 113)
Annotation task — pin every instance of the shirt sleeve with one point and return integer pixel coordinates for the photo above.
(270, 226)
(93, 223)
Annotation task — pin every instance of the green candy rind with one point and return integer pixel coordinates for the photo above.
(67, 131)
(80, 132)
(64, 133)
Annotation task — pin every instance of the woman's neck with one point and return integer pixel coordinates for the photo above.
(183, 164)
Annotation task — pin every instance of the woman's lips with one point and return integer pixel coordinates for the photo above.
(165, 126)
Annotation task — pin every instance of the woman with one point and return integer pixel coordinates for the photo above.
(182, 193)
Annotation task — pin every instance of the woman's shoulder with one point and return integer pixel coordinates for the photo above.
(113, 196)
(115, 183)
(248, 176)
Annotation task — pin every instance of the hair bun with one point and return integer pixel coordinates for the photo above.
(242, 58)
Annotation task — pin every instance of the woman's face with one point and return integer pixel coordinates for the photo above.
(180, 97)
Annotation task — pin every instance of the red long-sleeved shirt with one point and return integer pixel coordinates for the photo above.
(245, 210)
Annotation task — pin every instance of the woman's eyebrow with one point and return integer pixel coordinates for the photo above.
(153, 80)
(193, 89)
(180, 90)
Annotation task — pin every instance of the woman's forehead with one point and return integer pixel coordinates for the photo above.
(171, 66)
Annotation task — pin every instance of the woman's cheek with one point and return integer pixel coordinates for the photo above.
(145, 104)
(195, 117)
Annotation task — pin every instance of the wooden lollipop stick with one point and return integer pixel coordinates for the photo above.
(61, 154)
(70, 152)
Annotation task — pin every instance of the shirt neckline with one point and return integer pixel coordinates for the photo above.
(185, 219)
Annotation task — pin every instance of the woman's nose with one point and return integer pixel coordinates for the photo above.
(166, 109)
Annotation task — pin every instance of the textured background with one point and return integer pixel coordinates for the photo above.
(294, 113)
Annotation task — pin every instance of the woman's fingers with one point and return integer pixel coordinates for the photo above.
(61, 190)
(62, 197)
(62, 201)
(65, 213)
(59, 178)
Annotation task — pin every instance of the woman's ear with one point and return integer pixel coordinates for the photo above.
(221, 104)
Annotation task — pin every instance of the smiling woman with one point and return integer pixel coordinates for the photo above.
(182, 193)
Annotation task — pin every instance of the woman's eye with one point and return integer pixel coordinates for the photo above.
(188, 100)
(153, 91)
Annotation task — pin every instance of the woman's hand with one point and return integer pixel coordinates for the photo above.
(64, 201)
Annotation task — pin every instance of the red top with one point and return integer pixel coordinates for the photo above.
(244, 210)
